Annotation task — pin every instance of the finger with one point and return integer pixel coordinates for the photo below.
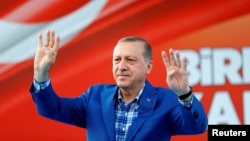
(172, 58)
(52, 38)
(184, 64)
(165, 59)
(46, 43)
(57, 41)
(178, 59)
(40, 40)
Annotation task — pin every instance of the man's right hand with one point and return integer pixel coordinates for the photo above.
(45, 55)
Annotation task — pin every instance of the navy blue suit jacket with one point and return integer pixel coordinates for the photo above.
(160, 114)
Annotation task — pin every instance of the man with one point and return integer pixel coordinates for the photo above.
(131, 110)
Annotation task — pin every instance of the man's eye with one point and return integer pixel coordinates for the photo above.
(116, 60)
(131, 61)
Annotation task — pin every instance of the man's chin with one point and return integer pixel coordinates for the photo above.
(122, 84)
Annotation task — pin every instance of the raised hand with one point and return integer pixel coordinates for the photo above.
(45, 55)
(177, 76)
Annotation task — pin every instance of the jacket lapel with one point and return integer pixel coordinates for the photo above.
(146, 107)
(108, 111)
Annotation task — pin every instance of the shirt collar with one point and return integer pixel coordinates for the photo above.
(120, 98)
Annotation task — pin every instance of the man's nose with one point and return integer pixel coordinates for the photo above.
(123, 65)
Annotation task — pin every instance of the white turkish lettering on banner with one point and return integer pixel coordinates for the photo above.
(206, 62)
(223, 70)
(222, 110)
(246, 105)
(210, 67)
(215, 67)
(246, 64)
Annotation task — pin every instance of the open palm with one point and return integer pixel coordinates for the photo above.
(177, 76)
(45, 55)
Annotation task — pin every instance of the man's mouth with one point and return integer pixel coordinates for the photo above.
(122, 75)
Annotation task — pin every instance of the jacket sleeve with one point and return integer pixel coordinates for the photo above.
(67, 110)
(192, 120)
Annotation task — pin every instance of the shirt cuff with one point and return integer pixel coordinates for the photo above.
(186, 103)
(40, 86)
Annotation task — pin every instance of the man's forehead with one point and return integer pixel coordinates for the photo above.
(128, 46)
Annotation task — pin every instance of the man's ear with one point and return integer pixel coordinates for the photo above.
(149, 66)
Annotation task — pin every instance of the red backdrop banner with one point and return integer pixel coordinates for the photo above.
(213, 35)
